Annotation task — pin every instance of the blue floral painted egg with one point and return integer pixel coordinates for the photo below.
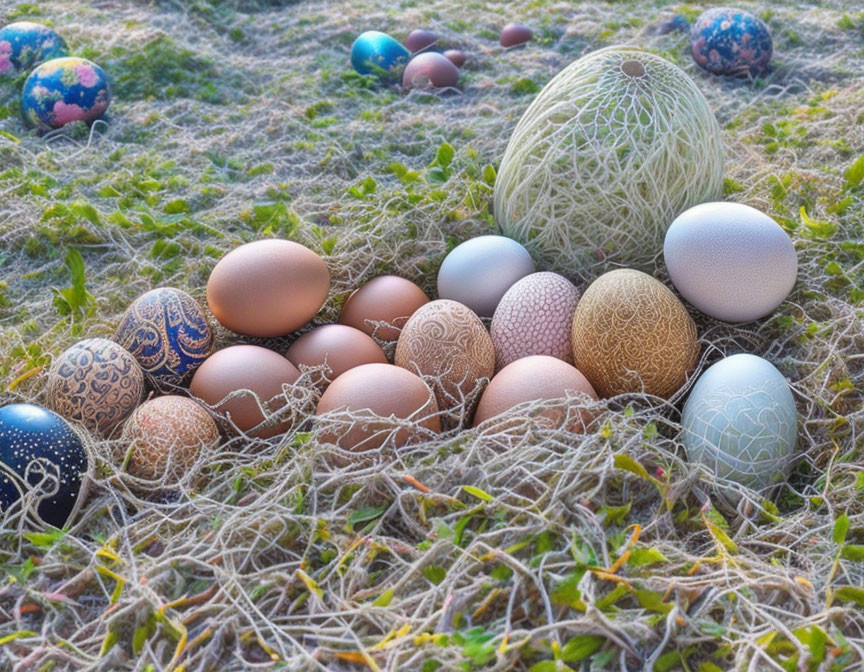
(168, 333)
(729, 41)
(375, 52)
(25, 44)
(65, 90)
(41, 454)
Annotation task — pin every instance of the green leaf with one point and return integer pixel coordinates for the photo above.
(544, 666)
(852, 552)
(850, 594)
(567, 591)
(615, 514)
(109, 642)
(855, 173)
(667, 661)
(434, 573)
(623, 461)
(709, 667)
(818, 228)
(328, 244)
(384, 599)
(445, 154)
(478, 493)
(87, 211)
(139, 639)
(645, 556)
(818, 641)
(365, 515)
(176, 207)
(580, 647)
(489, 174)
(44, 539)
(653, 601)
(841, 529)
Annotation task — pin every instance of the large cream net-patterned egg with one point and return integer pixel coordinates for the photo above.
(632, 334)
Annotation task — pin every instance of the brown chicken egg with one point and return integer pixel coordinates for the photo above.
(268, 288)
(384, 390)
(382, 306)
(514, 34)
(446, 341)
(535, 317)
(336, 346)
(246, 367)
(632, 334)
(420, 39)
(429, 69)
(535, 378)
(166, 436)
(456, 56)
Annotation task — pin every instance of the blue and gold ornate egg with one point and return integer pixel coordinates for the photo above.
(168, 333)
(729, 41)
(24, 44)
(96, 383)
(42, 456)
(376, 52)
(65, 90)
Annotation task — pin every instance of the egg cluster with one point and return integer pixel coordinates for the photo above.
(60, 89)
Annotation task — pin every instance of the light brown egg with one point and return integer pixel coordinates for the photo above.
(166, 436)
(420, 39)
(382, 306)
(268, 288)
(535, 317)
(97, 383)
(514, 34)
(632, 334)
(456, 56)
(383, 390)
(429, 69)
(337, 346)
(246, 367)
(446, 341)
(535, 378)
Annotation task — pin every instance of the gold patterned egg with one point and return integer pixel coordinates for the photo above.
(446, 343)
(632, 334)
(96, 383)
(166, 436)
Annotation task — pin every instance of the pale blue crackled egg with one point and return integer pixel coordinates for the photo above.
(740, 421)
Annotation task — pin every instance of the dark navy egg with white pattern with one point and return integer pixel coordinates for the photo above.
(24, 45)
(167, 331)
(729, 41)
(40, 452)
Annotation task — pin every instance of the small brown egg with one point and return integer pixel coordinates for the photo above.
(420, 39)
(514, 34)
(456, 56)
(632, 334)
(246, 367)
(383, 390)
(268, 288)
(429, 70)
(96, 383)
(446, 341)
(382, 306)
(166, 436)
(535, 378)
(535, 317)
(337, 346)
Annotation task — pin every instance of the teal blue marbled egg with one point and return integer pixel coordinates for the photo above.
(24, 45)
(378, 53)
(65, 90)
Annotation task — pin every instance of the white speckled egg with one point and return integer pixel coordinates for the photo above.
(730, 261)
(740, 420)
(478, 272)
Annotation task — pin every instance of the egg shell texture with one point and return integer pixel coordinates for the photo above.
(382, 306)
(39, 450)
(514, 34)
(95, 382)
(24, 44)
(479, 272)
(65, 90)
(374, 52)
(268, 288)
(632, 334)
(740, 420)
(729, 41)
(730, 261)
(420, 39)
(535, 317)
(168, 334)
(532, 379)
(337, 346)
(430, 69)
(380, 390)
(246, 367)
(166, 436)
(456, 56)
(447, 342)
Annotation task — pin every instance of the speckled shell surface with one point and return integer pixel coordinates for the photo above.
(166, 436)
(168, 334)
(446, 341)
(479, 272)
(64, 90)
(729, 41)
(730, 261)
(36, 444)
(95, 382)
(740, 420)
(632, 334)
(24, 44)
(535, 317)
